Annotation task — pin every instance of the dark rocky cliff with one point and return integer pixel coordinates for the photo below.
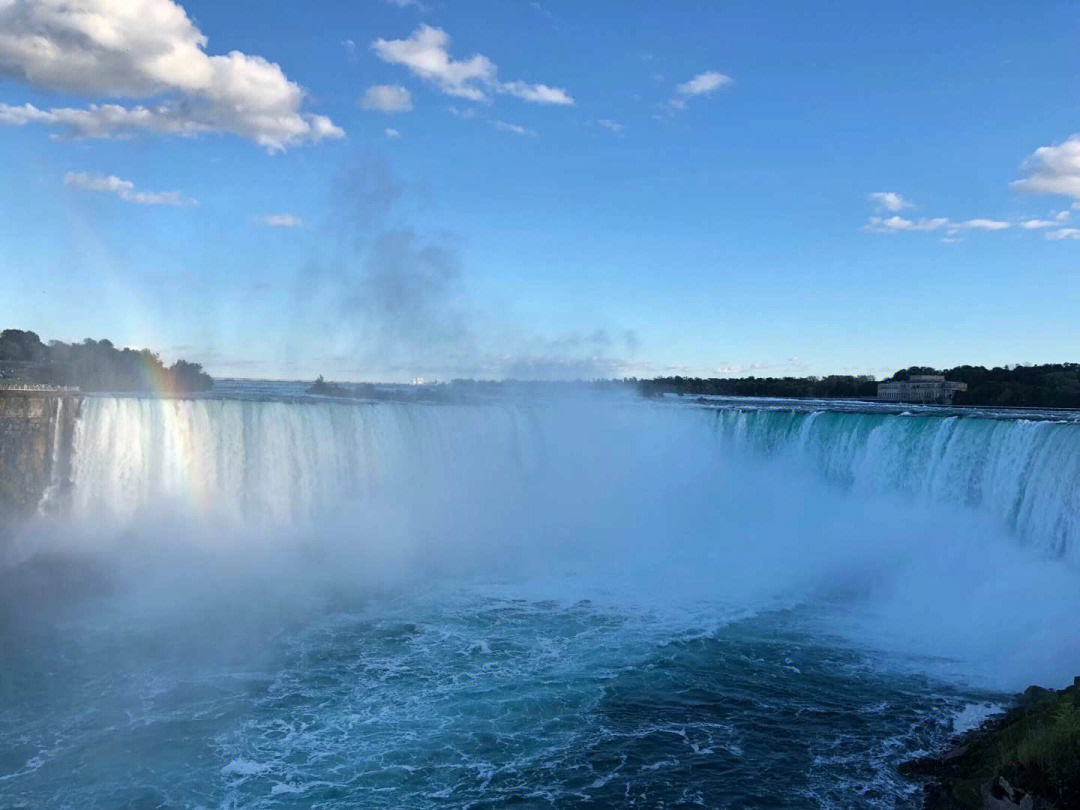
(36, 428)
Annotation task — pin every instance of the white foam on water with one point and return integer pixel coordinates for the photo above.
(951, 539)
(973, 715)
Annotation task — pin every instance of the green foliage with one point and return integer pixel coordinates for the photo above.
(323, 388)
(1051, 750)
(1052, 385)
(17, 346)
(832, 387)
(97, 365)
(1035, 748)
(1045, 386)
(186, 376)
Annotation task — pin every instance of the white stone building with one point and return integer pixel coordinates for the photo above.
(924, 388)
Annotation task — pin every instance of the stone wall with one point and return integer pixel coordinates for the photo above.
(32, 439)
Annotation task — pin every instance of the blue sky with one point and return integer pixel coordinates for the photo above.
(384, 190)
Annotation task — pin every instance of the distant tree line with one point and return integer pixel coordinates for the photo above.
(541, 386)
(95, 365)
(836, 386)
(1052, 385)
(1045, 386)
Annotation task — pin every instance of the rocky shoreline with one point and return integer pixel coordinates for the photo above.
(1028, 757)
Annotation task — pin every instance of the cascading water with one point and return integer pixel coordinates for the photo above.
(566, 602)
(281, 461)
(1025, 472)
(56, 461)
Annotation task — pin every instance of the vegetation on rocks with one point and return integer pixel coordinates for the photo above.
(1029, 757)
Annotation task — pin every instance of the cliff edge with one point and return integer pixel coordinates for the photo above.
(36, 429)
(1028, 757)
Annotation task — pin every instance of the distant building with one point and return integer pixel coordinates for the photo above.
(925, 388)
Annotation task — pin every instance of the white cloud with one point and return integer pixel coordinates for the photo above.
(462, 112)
(1052, 170)
(538, 93)
(503, 126)
(899, 224)
(891, 201)
(146, 50)
(541, 10)
(281, 221)
(390, 132)
(1060, 217)
(985, 224)
(607, 123)
(406, 3)
(387, 98)
(106, 120)
(1033, 224)
(426, 54)
(124, 189)
(704, 84)
(895, 224)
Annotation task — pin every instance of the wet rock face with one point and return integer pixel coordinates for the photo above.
(29, 440)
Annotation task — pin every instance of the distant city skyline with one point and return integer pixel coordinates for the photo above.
(392, 189)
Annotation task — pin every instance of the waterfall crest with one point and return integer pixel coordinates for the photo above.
(1021, 471)
(276, 462)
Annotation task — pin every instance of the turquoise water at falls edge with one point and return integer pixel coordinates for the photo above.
(599, 602)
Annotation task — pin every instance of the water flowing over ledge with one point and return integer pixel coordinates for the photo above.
(1021, 471)
(320, 600)
(277, 462)
(36, 427)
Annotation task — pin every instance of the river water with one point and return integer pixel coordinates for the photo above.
(265, 600)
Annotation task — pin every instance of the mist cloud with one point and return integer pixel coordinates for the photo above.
(387, 299)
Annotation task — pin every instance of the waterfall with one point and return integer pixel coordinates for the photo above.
(56, 461)
(1021, 471)
(941, 536)
(277, 462)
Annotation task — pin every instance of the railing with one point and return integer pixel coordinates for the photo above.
(50, 389)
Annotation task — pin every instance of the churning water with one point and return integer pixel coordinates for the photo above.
(271, 602)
